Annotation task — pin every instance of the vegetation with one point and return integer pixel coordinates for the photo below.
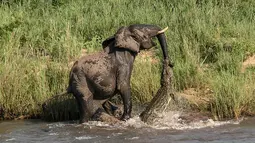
(208, 40)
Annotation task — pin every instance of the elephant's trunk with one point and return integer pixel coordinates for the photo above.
(160, 33)
(162, 41)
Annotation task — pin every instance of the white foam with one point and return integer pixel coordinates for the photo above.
(116, 134)
(168, 120)
(85, 137)
(132, 138)
(134, 122)
(11, 139)
(172, 120)
(56, 125)
(96, 124)
(53, 134)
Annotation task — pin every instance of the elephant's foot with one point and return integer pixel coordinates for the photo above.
(125, 117)
(84, 118)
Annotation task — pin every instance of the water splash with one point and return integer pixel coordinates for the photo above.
(173, 120)
(167, 120)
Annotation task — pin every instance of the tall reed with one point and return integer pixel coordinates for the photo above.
(207, 39)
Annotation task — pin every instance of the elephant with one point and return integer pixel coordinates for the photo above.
(96, 78)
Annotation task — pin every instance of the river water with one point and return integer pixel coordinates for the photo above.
(168, 129)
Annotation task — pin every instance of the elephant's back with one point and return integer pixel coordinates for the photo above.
(100, 71)
(96, 64)
(94, 56)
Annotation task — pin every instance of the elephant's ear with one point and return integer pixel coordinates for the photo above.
(107, 42)
(124, 39)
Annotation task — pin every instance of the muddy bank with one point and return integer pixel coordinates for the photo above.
(4, 115)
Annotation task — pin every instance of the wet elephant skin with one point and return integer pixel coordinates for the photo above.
(96, 78)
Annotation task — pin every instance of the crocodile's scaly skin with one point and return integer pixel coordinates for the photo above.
(161, 100)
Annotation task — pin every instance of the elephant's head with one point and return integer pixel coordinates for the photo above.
(138, 37)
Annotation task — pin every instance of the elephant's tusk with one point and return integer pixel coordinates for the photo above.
(162, 31)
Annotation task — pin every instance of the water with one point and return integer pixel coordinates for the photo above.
(165, 130)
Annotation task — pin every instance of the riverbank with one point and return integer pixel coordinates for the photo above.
(209, 42)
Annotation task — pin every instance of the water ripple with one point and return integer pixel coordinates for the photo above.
(85, 137)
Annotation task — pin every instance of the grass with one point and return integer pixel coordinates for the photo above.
(145, 80)
(233, 95)
(208, 41)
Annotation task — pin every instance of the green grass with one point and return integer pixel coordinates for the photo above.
(208, 40)
(145, 79)
(233, 95)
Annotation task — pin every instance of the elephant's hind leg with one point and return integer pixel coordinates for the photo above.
(85, 105)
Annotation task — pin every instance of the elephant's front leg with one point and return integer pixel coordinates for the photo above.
(123, 85)
(126, 98)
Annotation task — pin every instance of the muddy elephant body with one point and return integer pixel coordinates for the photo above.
(94, 79)
(98, 77)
